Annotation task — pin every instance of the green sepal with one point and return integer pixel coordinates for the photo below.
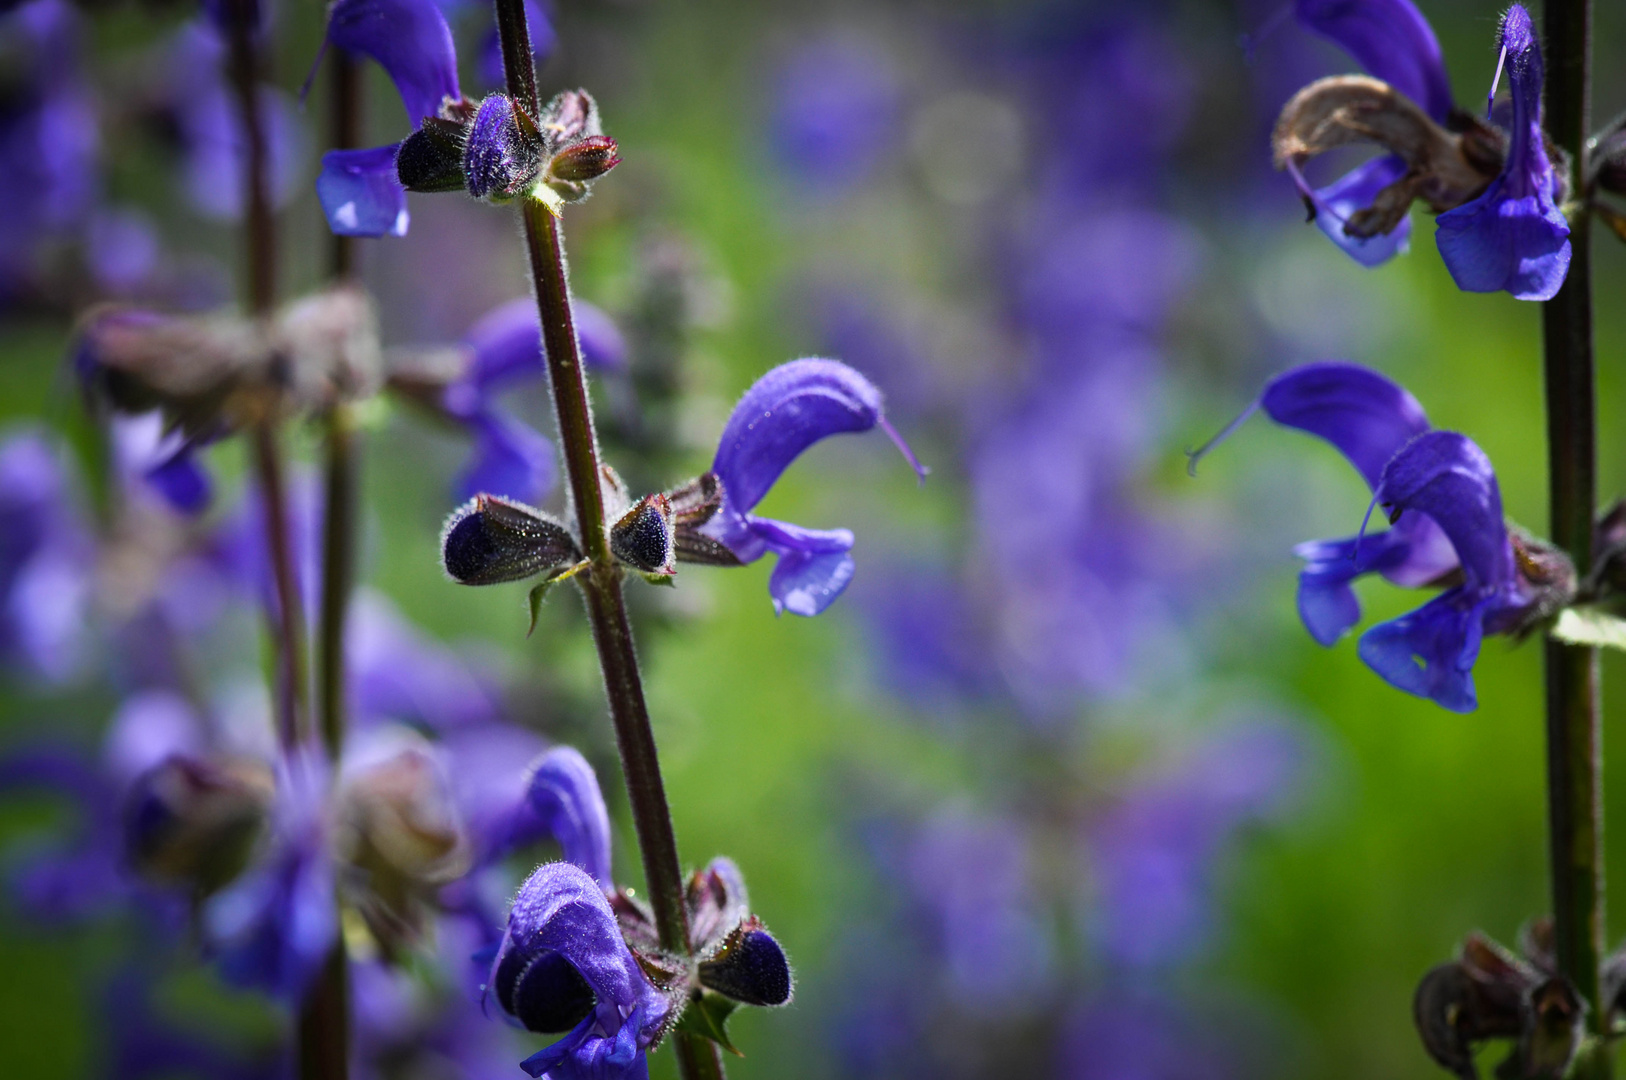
(540, 591)
(707, 1016)
(669, 580)
(1588, 625)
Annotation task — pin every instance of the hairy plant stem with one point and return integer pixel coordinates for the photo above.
(697, 1057)
(1574, 703)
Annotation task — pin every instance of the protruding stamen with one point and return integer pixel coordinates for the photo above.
(1490, 99)
(909, 455)
(1194, 456)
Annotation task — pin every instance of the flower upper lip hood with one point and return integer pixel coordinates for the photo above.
(1394, 42)
(786, 411)
(1513, 237)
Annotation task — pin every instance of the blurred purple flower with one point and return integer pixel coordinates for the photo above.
(273, 927)
(49, 140)
(973, 885)
(47, 561)
(1139, 1037)
(1153, 856)
(1513, 237)
(786, 411)
(511, 458)
(835, 113)
(544, 42)
(396, 673)
(209, 118)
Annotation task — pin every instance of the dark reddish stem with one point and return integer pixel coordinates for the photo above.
(1574, 698)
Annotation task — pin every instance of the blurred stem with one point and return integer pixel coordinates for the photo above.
(324, 1021)
(244, 63)
(338, 571)
(606, 607)
(1574, 705)
(344, 128)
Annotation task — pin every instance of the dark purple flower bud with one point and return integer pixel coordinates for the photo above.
(787, 410)
(562, 911)
(750, 967)
(1513, 237)
(584, 161)
(193, 821)
(643, 537)
(431, 158)
(491, 540)
(502, 154)
(564, 793)
(1490, 992)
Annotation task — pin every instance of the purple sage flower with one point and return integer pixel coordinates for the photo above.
(359, 190)
(1393, 41)
(787, 410)
(1446, 511)
(562, 911)
(1513, 238)
(511, 458)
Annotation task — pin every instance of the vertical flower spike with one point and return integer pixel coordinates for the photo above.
(1392, 41)
(789, 409)
(565, 795)
(562, 912)
(1513, 238)
(358, 189)
(1431, 651)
